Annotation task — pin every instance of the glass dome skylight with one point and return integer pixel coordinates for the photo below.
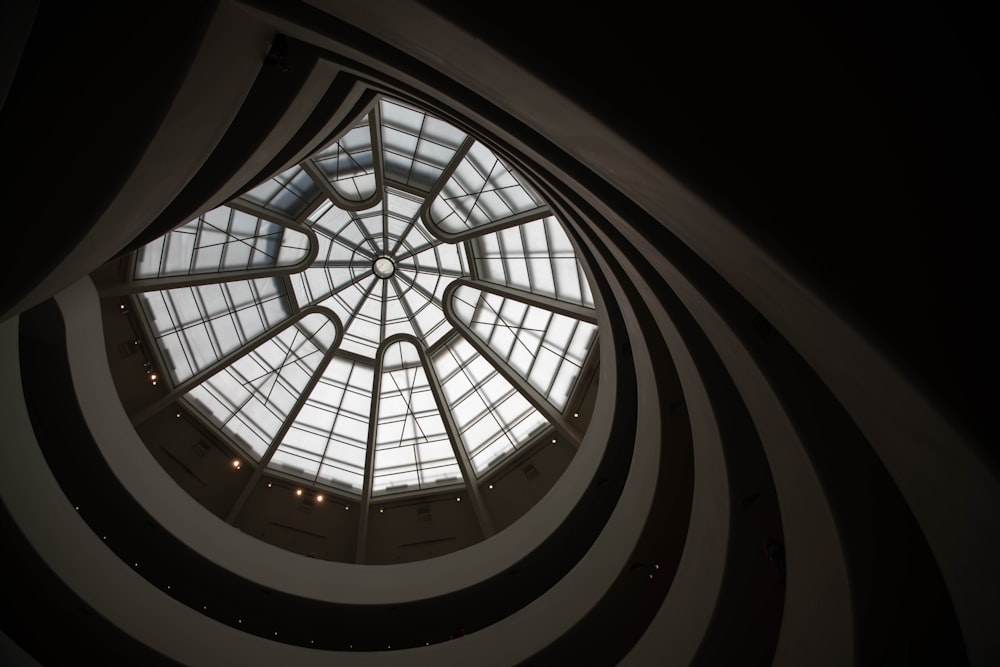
(399, 312)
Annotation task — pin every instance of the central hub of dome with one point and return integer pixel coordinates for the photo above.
(383, 267)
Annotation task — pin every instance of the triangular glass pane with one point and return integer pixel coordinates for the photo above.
(412, 448)
(224, 239)
(289, 193)
(493, 418)
(358, 305)
(482, 191)
(329, 437)
(416, 147)
(194, 327)
(251, 397)
(349, 163)
(536, 257)
(546, 349)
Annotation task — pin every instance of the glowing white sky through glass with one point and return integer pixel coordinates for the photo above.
(377, 209)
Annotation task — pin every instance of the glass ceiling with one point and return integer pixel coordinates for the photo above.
(399, 312)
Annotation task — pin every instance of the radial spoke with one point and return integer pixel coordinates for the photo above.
(278, 437)
(489, 365)
(417, 286)
(554, 305)
(332, 263)
(357, 307)
(448, 172)
(406, 307)
(454, 436)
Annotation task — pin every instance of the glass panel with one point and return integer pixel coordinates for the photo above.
(546, 349)
(412, 449)
(252, 397)
(349, 163)
(482, 190)
(358, 307)
(289, 193)
(416, 147)
(405, 298)
(536, 257)
(194, 327)
(493, 418)
(329, 437)
(345, 255)
(326, 442)
(223, 239)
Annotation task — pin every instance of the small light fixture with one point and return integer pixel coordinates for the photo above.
(491, 486)
(239, 620)
(135, 564)
(381, 510)
(553, 441)
(319, 498)
(298, 492)
(77, 508)
(459, 499)
(576, 414)
(153, 376)
(236, 463)
(269, 485)
(347, 507)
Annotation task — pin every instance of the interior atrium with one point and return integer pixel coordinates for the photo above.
(417, 333)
